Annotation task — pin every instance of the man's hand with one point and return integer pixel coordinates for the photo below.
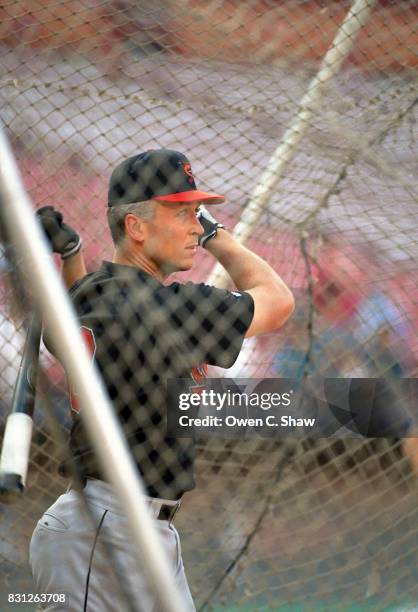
(209, 224)
(62, 238)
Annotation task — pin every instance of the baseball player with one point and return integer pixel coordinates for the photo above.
(142, 331)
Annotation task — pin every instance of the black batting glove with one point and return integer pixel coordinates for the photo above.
(62, 238)
(209, 224)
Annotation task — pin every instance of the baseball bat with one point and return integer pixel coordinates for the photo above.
(14, 458)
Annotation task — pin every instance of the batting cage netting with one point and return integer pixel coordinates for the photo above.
(302, 113)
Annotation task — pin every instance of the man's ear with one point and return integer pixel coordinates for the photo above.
(134, 227)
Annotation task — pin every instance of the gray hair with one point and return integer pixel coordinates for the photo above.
(116, 217)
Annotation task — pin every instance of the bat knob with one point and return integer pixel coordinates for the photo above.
(11, 487)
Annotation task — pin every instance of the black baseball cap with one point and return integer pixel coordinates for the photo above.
(160, 174)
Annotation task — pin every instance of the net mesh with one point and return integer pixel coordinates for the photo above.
(86, 84)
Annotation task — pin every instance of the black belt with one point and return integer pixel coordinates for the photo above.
(166, 512)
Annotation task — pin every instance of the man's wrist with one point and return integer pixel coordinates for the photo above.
(73, 269)
(220, 242)
(72, 250)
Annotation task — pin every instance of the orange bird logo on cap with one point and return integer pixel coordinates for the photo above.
(188, 170)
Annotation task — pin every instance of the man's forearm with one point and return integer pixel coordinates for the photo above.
(246, 269)
(73, 268)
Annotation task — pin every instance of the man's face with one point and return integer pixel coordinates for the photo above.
(171, 236)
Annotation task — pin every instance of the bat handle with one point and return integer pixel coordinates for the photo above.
(14, 458)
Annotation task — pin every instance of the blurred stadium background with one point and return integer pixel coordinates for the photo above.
(274, 525)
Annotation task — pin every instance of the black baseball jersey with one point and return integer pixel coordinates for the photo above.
(141, 333)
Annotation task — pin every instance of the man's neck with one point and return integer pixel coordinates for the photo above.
(137, 260)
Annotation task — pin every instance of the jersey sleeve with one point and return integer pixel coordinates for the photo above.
(214, 321)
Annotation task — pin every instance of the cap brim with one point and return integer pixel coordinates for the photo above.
(192, 196)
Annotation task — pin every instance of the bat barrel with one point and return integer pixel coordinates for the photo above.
(14, 459)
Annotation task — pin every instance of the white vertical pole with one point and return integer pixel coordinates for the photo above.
(355, 19)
